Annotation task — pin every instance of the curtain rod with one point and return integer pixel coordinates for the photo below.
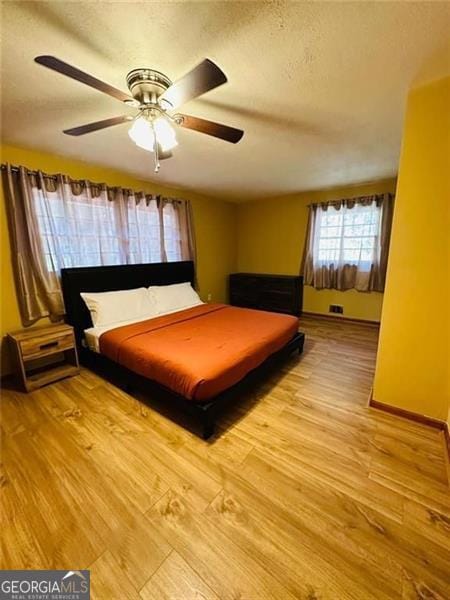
(30, 171)
(82, 182)
(354, 198)
(53, 177)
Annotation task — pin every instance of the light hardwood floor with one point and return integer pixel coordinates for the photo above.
(304, 493)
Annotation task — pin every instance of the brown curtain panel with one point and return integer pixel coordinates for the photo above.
(187, 233)
(182, 209)
(329, 272)
(186, 225)
(30, 197)
(38, 290)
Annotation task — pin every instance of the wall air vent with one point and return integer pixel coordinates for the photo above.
(336, 308)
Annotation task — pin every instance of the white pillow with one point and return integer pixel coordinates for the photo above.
(124, 305)
(170, 298)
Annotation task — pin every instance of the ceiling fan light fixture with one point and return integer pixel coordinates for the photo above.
(165, 134)
(144, 132)
(141, 132)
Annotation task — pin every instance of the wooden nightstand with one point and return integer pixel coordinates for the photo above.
(35, 350)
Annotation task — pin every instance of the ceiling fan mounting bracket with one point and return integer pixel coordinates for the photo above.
(146, 85)
(179, 119)
(151, 111)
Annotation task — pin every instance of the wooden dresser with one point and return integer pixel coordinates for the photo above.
(275, 293)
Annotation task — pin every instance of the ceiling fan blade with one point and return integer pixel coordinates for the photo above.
(224, 132)
(60, 66)
(83, 129)
(204, 77)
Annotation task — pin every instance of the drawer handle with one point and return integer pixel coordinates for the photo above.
(48, 345)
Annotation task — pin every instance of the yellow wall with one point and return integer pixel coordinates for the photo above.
(271, 235)
(412, 369)
(215, 226)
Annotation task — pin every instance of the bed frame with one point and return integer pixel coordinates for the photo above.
(122, 277)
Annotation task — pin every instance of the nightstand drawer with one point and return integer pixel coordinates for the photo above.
(55, 344)
(43, 346)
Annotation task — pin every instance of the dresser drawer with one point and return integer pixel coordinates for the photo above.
(244, 298)
(277, 293)
(277, 301)
(281, 285)
(43, 346)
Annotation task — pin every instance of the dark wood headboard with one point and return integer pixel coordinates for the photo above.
(109, 279)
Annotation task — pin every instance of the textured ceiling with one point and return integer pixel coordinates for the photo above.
(319, 88)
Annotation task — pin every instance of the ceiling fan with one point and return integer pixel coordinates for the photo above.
(155, 97)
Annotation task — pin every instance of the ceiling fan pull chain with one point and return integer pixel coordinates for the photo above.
(157, 165)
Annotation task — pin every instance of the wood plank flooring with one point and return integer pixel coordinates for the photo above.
(303, 493)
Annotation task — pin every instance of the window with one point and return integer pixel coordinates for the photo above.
(347, 244)
(85, 230)
(347, 236)
(172, 233)
(58, 222)
(144, 232)
(78, 231)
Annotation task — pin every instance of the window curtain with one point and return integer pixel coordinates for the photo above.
(57, 222)
(347, 243)
(178, 231)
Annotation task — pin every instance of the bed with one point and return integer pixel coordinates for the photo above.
(198, 359)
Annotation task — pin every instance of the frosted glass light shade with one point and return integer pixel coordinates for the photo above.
(143, 134)
(165, 134)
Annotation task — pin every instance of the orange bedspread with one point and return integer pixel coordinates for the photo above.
(201, 351)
